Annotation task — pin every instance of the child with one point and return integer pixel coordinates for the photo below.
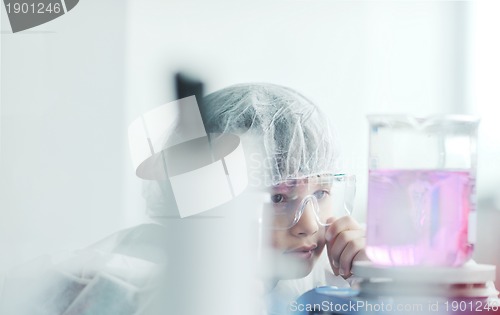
(144, 270)
(296, 155)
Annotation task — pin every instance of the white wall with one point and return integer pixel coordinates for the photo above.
(485, 100)
(62, 132)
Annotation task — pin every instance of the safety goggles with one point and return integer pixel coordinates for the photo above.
(328, 195)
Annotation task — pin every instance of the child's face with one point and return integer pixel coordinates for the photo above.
(300, 243)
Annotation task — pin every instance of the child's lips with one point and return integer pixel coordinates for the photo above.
(301, 255)
(303, 252)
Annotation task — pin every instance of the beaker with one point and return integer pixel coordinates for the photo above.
(421, 189)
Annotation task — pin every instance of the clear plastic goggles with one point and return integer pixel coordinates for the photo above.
(328, 195)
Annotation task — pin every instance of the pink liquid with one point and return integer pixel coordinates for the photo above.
(419, 217)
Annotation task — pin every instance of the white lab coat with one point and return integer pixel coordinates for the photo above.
(114, 276)
(286, 291)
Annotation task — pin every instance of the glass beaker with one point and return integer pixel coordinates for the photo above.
(421, 189)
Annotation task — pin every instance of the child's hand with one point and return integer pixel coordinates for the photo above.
(345, 243)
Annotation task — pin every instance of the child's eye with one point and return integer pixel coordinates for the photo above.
(320, 194)
(278, 198)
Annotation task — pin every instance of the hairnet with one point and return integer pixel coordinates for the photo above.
(290, 135)
(294, 135)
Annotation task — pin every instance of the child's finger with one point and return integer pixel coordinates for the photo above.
(347, 257)
(339, 225)
(345, 240)
(335, 268)
(361, 255)
(339, 244)
(330, 220)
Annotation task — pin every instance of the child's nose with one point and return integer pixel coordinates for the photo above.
(307, 224)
